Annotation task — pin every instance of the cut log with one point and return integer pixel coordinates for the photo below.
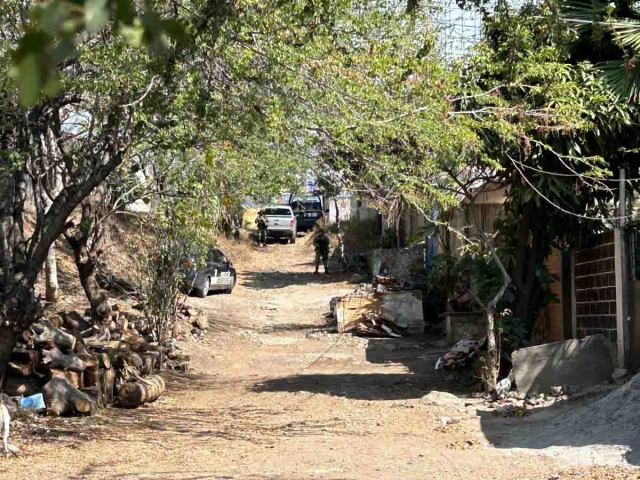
(143, 390)
(56, 359)
(148, 363)
(95, 393)
(90, 378)
(45, 332)
(72, 377)
(107, 384)
(20, 369)
(131, 359)
(104, 360)
(76, 322)
(22, 386)
(56, 320)
(62, 398)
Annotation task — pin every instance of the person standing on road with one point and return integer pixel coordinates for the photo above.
(321, 243)
(261, 222)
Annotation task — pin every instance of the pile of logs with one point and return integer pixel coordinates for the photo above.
(79, 366)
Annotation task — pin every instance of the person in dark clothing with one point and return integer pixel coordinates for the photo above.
(321, 243)
(261, 222)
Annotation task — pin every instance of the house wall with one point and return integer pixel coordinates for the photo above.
(464, 226)
(344, 209)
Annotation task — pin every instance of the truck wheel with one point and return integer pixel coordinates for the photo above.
(293, 238)
(205, 289)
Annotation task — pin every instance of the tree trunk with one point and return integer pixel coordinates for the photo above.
(85, 243)
(51, 275)
(100, 306)
(7, 343)
(491, 362)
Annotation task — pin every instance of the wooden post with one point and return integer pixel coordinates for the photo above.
(622, 297)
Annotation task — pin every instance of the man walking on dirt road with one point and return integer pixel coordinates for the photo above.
(321, 243)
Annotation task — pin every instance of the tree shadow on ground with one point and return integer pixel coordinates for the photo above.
(369, 386)
(260, 280)
(410, 353)
(292, 327)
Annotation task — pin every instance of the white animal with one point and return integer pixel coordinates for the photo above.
(6, 420)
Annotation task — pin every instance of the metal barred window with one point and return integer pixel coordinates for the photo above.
(634, 251)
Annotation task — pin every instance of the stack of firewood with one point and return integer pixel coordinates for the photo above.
(80, 366)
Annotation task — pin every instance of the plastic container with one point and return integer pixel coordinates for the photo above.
(34, 402)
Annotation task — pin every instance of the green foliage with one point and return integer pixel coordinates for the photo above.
(181, 234)
(53, 28)
(614, 30)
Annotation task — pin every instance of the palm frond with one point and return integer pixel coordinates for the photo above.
(623, 77)
(583, 11)
(627, 33)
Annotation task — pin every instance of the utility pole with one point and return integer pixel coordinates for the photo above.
(622, 296)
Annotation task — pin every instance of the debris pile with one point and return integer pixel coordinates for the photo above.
(461, 355)
(77, 365)
(383, 284)
(376, 326)
(117, 285)
(385, 308)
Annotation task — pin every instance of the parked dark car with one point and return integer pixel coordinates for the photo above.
(307, 211)
(217, 274)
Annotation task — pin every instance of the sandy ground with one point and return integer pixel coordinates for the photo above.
(274, 395)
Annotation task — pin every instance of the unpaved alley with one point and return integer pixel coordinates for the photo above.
(273, 395)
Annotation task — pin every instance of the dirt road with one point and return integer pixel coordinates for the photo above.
(272, 395)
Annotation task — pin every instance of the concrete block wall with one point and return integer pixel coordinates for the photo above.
(595, 289)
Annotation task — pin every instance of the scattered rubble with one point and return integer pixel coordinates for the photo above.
(191, 324)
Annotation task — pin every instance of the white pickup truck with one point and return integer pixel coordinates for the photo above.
(281, 222)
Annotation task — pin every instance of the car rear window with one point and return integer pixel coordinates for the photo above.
(306, 205)
(282, 212)
(216, 256)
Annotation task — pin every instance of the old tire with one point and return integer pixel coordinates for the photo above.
(205, 289)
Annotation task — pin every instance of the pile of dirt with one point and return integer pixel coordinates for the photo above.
(602, 429)
(612, 420)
